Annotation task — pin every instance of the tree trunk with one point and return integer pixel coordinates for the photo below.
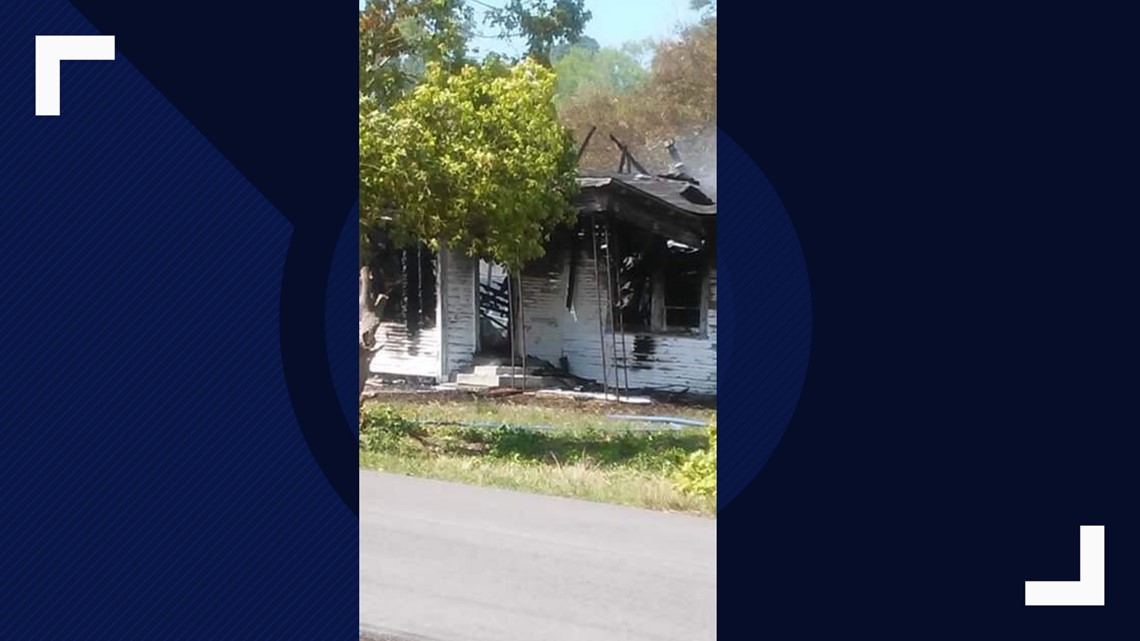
(370, 310)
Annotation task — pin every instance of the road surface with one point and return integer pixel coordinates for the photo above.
(449, 562)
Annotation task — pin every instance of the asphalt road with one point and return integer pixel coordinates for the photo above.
(449, 562)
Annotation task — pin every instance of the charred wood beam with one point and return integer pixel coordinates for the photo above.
(573, 268)
(497, 323)
(494, 290)
(427, 284)
(590, 203)
(495, 308)
(582, 149)
(678, 226)
(490, 297)
(629, 156)
(412, 289)
(682, 231)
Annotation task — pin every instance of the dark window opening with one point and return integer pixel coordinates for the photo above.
(660, 284)
(411, 284)
(683, 273)
(635, 290)
(494, 310)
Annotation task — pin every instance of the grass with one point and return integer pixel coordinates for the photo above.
(587, 456)
(530, 410)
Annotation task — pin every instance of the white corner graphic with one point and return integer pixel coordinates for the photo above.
(50, 50)
(1089, 590)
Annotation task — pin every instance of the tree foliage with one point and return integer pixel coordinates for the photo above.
(544, 24)
(676, 102)
(558, 51)
(398, 37)
(470, 154)
(706, 7)
(582, 70)
(475, 158)
(684, 77)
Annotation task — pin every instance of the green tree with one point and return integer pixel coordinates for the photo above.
(607, 70)
(399, 40)
(476, 159)
(398, 37)
(544, 24)
(473, 156)
(706, 7)
(684, 76)
(558, 51)
(676, 102)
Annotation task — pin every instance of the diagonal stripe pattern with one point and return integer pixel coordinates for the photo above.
(155, 481)
(764, 311)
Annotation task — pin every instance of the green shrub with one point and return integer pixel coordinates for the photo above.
(697, 474)
(383, 428)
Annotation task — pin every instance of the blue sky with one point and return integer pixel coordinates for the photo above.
(614, 22)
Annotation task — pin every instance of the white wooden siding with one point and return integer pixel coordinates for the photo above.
(552, 332)
(458, 312)
(544, 304)
(650, 360)
(425, 353)
(405, 354)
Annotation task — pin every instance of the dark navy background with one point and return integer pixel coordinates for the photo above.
(963, 182)
(177, 455)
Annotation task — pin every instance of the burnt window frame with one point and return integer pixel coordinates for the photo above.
(697, 261)
(632, 246)
(414, 307)
(495, 293)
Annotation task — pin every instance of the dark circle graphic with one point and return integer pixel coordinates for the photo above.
(764, 319)
(313, 388)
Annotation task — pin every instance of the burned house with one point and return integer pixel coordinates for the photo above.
(626, 297)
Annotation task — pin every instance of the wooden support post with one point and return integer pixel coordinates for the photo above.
(511, 324)
(610, 300)
(620, 317)
(522, 327)
(657, 320)
(601, 319)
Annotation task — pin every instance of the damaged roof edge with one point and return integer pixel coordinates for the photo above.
(648, 214)
(678, 195)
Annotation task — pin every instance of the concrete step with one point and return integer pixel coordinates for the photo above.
(484, 381)
(497, 370)
(532, 382)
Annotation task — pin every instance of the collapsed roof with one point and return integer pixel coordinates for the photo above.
(675, 209)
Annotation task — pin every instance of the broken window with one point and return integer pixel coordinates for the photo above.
(635, 289)
(661, 284)
(683, 288)
(494, 309)
(411, 285)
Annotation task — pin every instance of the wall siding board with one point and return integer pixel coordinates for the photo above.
(553, 332)
(544, 298)
(423, 354)
(674, 362)
(406, 354)
(461, 314)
